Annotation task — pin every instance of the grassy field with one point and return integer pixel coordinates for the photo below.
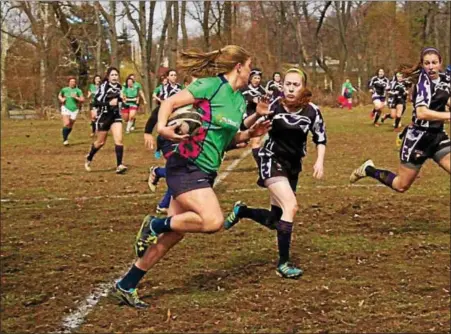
(374, 260)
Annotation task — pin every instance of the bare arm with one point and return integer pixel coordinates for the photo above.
(180, 99)
(318, 168)
(426, 114)
(141, 94)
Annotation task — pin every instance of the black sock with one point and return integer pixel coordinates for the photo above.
(378, 114)
(132, 278)
(385, 117)
(92, 152)
(397, 120)
(93, 126)
(66, 132)
(261, 216)
(284, 230)
(119, 153)
(383, 176)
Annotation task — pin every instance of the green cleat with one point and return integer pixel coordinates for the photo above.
(145, 237)
(233, 218)
(287, 270)
(129, 297)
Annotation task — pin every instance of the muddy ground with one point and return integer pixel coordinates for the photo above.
(374, 260)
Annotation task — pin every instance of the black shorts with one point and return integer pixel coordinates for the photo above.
(270, 166)
(394, 101)
(106, 119)
(183, 175)
(419, 145)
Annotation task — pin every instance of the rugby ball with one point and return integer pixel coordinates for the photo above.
(187, 119)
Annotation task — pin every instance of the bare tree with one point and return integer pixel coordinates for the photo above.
(173, 35)
(74, 43)
(4, 94)
(99, 41)
(228, 22)
(110, 18)
(161, 42)
(183, 26)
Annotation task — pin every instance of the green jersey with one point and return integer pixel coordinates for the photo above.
(157, 91)
(93, 89)
(131, 95)
(138, 85)
(71, 104)
(222, 111)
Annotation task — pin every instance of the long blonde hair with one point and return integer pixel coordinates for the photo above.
(207, 64)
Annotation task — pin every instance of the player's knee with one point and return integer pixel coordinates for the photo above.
(213, 223)
(402, 187)
(99, 143)
(293, 208)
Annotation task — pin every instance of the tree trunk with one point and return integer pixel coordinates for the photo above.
(113, 35)
(228, 22)
(44, 16)
(144, 55)
(205, 25)
(98, 42)
(174, 35)
(160, 45)
(150, 41)
(183, 26)
(4, 94)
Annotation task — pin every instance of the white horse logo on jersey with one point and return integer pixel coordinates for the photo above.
(300, 121)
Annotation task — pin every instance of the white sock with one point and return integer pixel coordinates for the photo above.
(129, 125)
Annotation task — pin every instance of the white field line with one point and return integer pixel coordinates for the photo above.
(219, 179)
(76, 318)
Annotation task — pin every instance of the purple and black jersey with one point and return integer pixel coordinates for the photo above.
(434, 95)
(275, 87)
(399, 91)
(249, 93)
(288, 135)
(379, 86)
(169, 90)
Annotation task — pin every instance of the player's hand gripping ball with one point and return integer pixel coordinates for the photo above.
(187, 119)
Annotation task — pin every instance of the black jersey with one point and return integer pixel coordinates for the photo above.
(434, 95)
(379, 85)
(106, 92)
(275, 87)
(169, 90)
(288, 135)
(399, 91)
(249, 93)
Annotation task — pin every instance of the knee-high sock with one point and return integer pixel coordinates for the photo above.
(284, 230)
(92, 152)
(383, 176)
(119, 153)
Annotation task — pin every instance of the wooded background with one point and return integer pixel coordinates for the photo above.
(43, 43)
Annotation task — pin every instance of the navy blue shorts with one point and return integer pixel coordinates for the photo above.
(183, 175)
(270, 166)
